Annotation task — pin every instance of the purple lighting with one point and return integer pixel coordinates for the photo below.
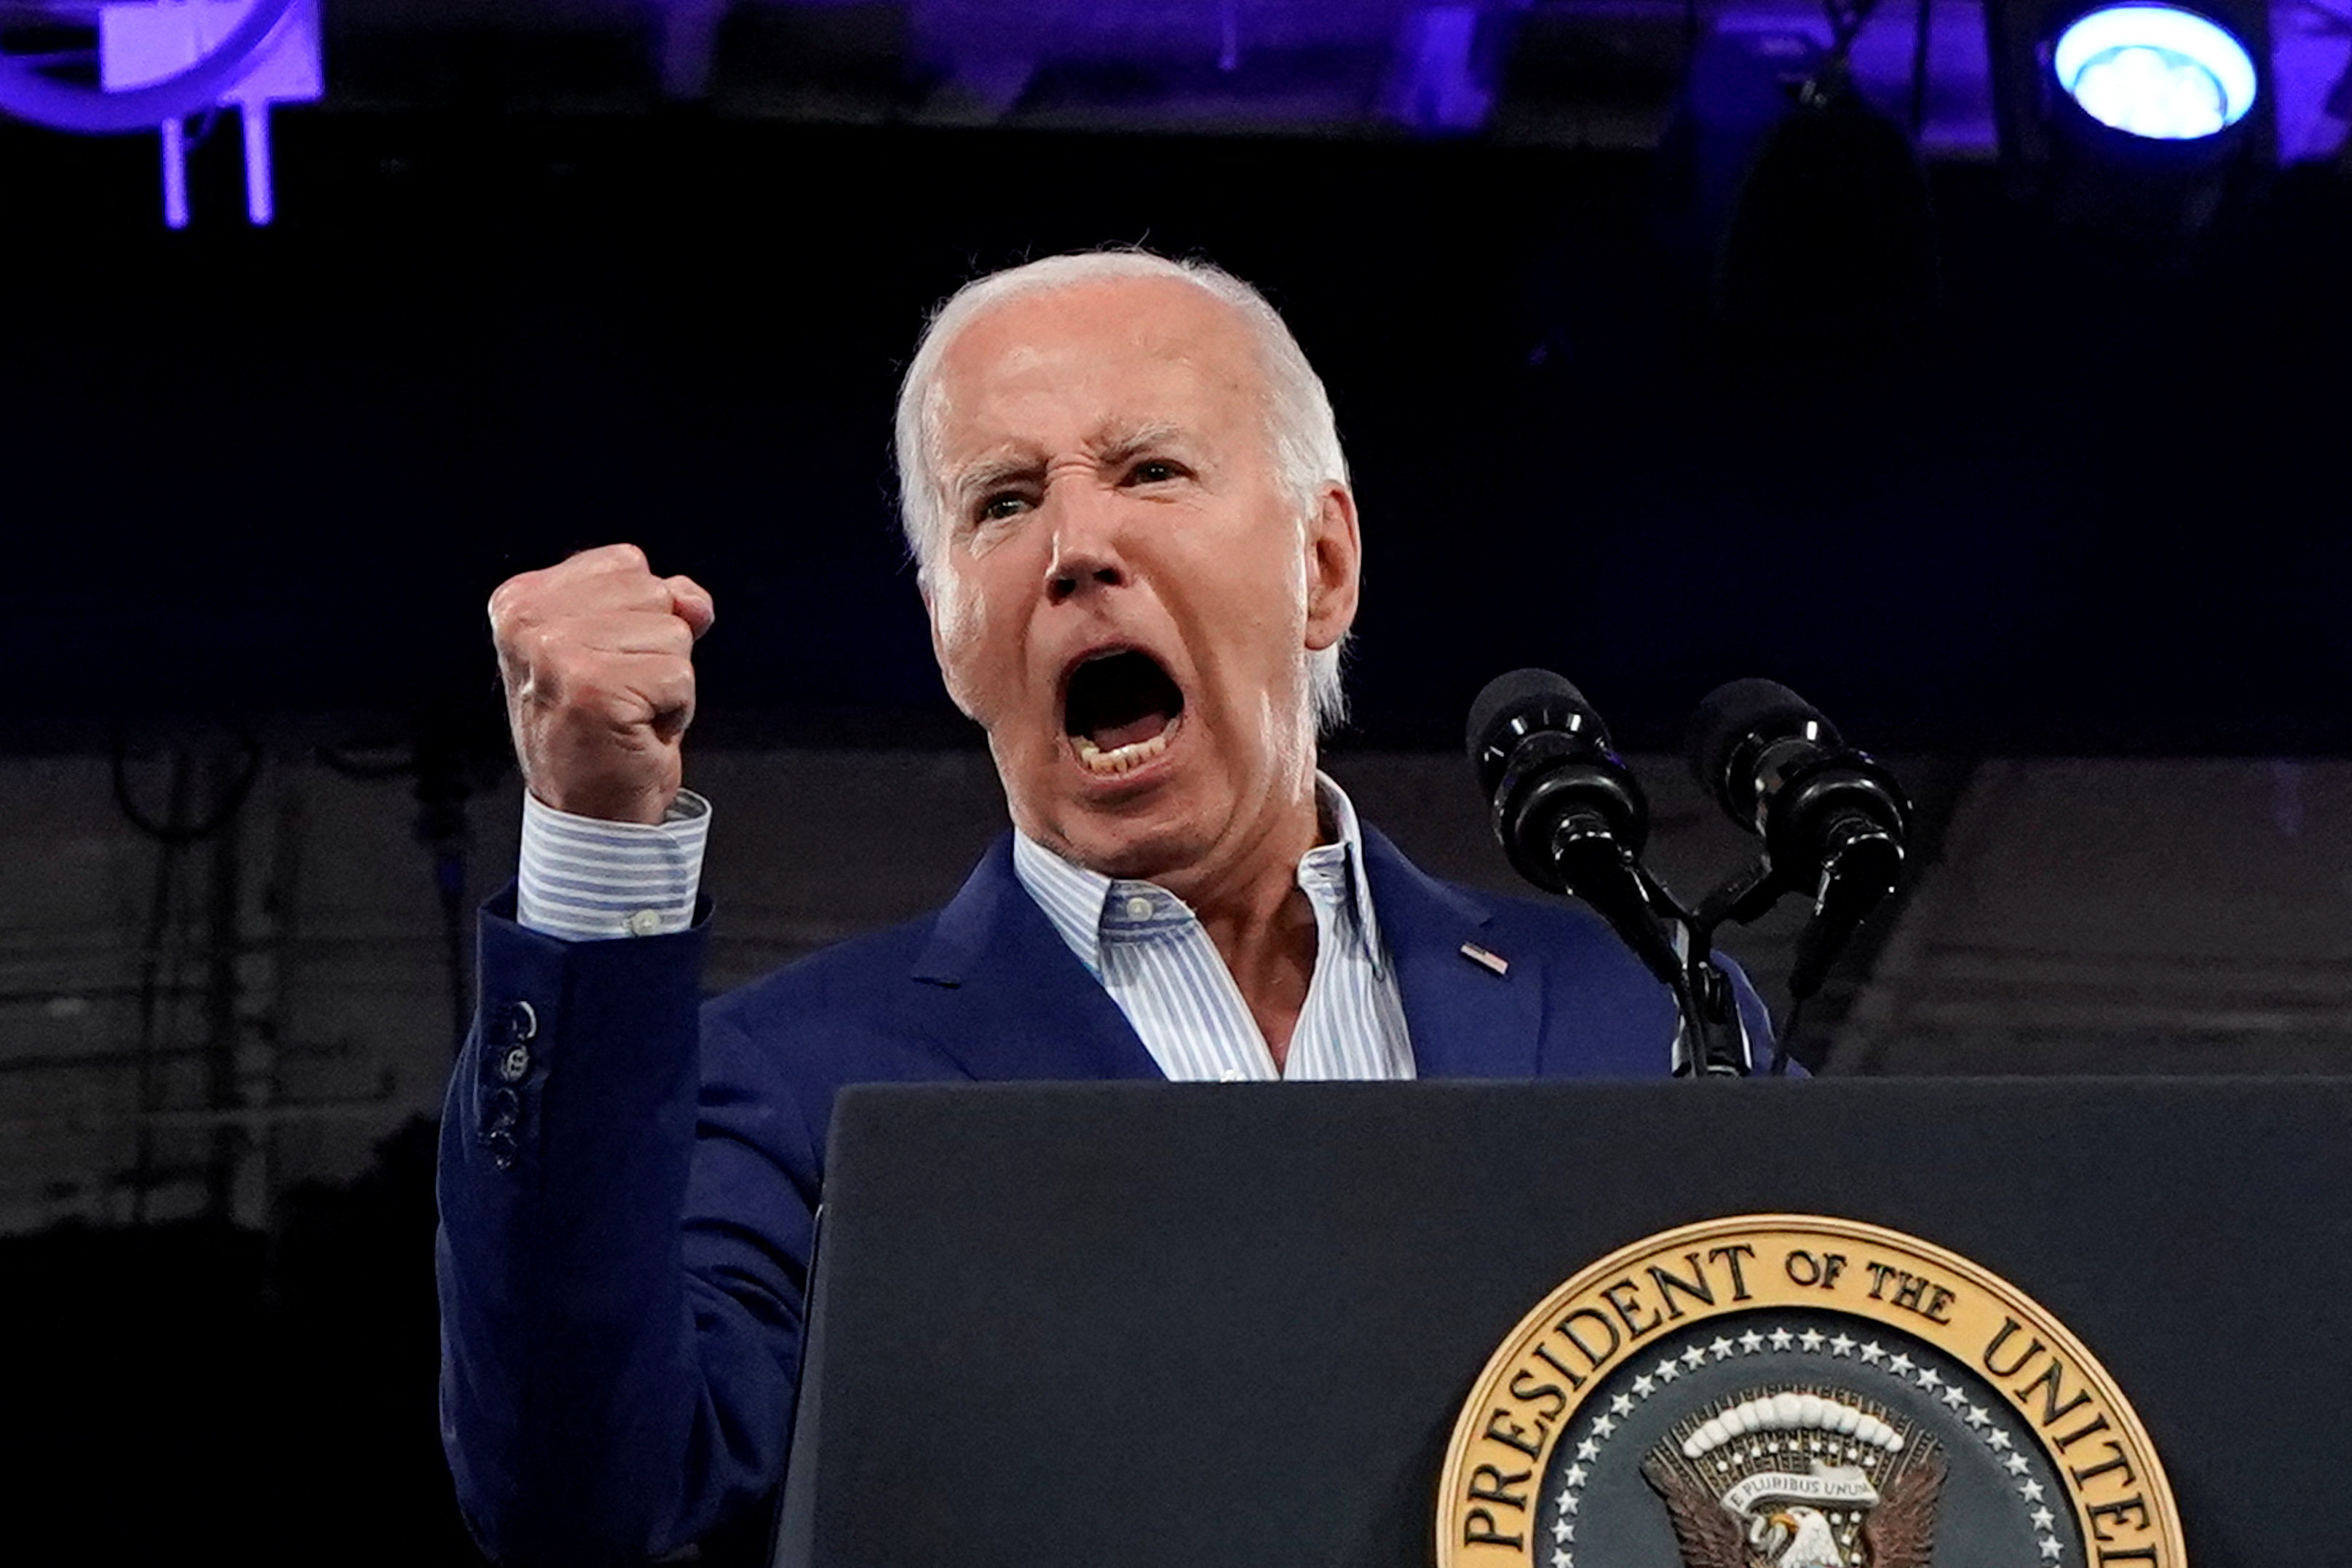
(29, 95)
(2156, 71)
(161, 62)
(1584, 73)
(1437, 83)
(2310, 78)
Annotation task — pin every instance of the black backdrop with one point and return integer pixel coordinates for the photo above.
(280, 471)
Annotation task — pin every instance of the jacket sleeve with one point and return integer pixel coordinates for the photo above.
(618, 1338)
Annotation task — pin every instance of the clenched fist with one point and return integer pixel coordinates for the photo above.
(597, 654)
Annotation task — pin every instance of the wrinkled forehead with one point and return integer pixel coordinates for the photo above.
(1131, 350)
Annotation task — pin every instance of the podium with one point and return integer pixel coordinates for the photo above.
(1235, 1324)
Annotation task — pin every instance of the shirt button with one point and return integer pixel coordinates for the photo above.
(1139, 908)
(644, 922)
(515, 1063)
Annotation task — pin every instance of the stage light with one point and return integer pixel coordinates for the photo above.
(2155, 71)
(159, 63)
(2133, 128)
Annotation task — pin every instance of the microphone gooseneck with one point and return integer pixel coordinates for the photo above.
(1572, 819)
(1834, 821)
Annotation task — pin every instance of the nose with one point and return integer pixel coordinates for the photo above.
(1086, 548)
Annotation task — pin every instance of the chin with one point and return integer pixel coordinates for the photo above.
(1138, 839)
(1131, 850)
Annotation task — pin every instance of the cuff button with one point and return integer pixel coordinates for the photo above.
(522, 1022)
(515, 1063)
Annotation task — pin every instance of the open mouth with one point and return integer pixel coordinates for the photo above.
(1118, 711)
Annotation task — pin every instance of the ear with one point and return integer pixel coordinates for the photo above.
(1334, 565)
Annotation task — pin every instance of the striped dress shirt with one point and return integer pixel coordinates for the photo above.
(1155, 958)
(586, 880)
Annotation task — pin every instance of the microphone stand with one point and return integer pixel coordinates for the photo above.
(1713, 1041)
(1571, 819)
(1677, 945)
(1673, 943)
(1860, 867)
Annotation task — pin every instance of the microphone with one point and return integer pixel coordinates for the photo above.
(1570, 816)
(1832, 818)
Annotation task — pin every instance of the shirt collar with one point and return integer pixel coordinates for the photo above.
(1082, 904)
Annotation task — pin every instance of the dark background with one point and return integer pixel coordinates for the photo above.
(2085, 509)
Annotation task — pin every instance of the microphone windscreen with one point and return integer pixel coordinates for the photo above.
(1520, 693)
(1736, 710)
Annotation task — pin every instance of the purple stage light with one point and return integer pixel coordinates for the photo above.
(159, 63)
(143, 45)
(2156, 71)
(29, 95)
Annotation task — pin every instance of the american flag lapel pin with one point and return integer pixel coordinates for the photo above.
(1493, 961)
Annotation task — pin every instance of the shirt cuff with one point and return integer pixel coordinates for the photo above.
(584, 879)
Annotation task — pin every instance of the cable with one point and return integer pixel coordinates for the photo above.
(1785, 1041)
(400, 761)
(436, 760)
(1846, 24)
(172, 830)
(442, 790)
(152, 980)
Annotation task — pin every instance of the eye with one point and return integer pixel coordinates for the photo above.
(1154, 471)
(999, 505)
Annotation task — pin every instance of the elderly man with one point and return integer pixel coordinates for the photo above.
(1139, 554)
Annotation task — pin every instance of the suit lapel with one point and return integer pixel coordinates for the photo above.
(1011, 1000)
(1467, 1020)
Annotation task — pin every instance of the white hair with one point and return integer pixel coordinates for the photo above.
(1297, 415)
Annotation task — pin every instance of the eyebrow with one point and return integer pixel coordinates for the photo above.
(1112, 445)
(991, 473)
(1118, 446)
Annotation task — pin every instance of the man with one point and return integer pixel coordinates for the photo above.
(1141, 556)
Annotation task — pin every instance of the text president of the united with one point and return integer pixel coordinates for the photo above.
(1140, 554)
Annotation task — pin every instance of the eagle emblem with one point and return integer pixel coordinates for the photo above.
(1799, 1477)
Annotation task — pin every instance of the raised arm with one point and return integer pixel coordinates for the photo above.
(588, 1360)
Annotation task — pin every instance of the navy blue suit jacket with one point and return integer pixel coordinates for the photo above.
(627, 1199)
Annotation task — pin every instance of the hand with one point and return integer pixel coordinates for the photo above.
(597, 655)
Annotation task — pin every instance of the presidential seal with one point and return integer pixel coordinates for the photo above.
(1790, 1390)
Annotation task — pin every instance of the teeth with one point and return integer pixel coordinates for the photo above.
(1123, 760)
